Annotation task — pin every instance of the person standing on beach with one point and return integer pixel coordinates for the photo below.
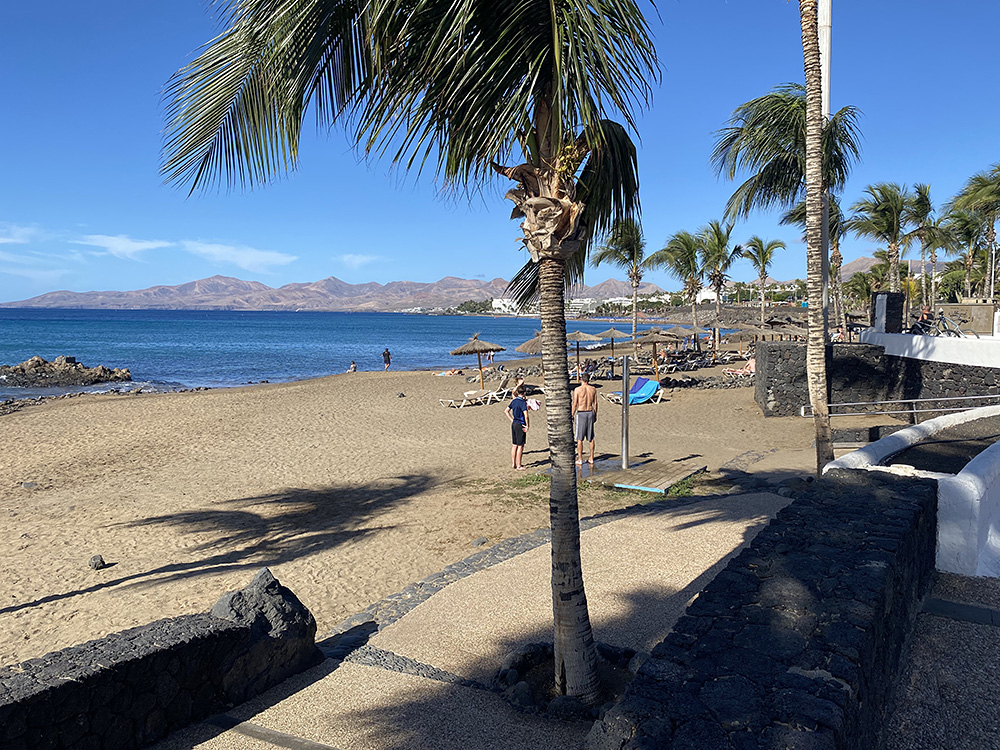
(387, 358)
(584, 416)
(517, 413)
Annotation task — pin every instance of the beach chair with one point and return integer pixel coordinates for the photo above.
(642, 390)
(745, 373)
(503, 390)
(469, 398)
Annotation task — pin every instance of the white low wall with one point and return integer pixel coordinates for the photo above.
(981, 352)
(968, 534)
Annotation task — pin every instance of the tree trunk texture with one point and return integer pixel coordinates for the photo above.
(815, 343)
(762, 279)
(933, 255)
(837, 285)
(923, 273)
(575, 653)
(894, 285)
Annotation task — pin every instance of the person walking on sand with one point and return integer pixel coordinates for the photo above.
(387, 358)
(584, 416)
(517, 413)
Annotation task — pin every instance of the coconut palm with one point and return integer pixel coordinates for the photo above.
(884, 216)
(859, 289)
(761, 254)
(796, 216)
(717, 257)
(766, 137)
(681, 257)
(981, 193)
(625, 247)
(471, 85)
(967, 231)
(920, 214)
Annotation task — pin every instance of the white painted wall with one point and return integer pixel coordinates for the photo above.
(981, 352)
(968, 533)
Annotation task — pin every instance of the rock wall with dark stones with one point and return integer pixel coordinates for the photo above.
(862, 372)
(62, 371)
(132, 688)
(795, 644)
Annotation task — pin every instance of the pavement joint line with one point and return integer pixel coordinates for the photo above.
(962, 612)
(271, 736)
(370, 656)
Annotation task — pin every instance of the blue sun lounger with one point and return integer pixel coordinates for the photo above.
(642, 390)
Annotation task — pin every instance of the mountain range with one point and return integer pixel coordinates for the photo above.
(330, 294)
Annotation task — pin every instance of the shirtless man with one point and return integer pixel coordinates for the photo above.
(584, 416)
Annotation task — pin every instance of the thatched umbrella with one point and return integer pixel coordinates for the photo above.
(579, 336)
(533, 346)
(614, 333)
(658, 337)
(479, 348)
(793, 331)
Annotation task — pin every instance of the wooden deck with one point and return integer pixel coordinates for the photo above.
(645, 476)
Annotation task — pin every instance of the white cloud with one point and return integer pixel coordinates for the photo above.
(38, 275)
(247, 258)
(354, 261)
(12, 234)
(120, 245)
(12, 258)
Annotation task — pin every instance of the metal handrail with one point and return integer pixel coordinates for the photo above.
(806, 410)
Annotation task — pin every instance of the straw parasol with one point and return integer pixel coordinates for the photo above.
(479, 348)
(579, 336)
(533, 346)
(614, 333)
(658, 337)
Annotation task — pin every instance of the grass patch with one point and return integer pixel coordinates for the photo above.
(528, 480)
(683, 488)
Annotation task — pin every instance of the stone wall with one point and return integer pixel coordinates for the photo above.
(132, 688)
(795, 644)
(862, 372)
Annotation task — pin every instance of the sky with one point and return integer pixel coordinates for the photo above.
(83, 206)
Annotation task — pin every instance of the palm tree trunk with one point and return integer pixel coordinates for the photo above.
(575, 653)
(762, 279)
(923, 274)
(815, 344)
(694, 320)
(893, 255)
(837, 284)
(933, 281)
(969, 258)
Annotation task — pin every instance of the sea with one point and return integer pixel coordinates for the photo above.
(178, 349)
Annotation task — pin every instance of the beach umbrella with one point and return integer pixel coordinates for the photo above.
(658, 337)
(614, 333)
(579, 336)
(794, 331)
(533, 346)
(479, 348)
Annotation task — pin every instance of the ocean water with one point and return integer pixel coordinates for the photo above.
(174, 349)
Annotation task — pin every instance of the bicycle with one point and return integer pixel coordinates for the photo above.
(942, 326)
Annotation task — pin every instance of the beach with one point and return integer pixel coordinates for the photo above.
(347, 487)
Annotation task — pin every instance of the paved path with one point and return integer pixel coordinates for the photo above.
(949, 694)
(419, 682)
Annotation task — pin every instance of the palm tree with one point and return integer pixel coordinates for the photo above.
(816, 185)
(982, 194)
(470, 84)
(681, 258)
(883, 216)
(859, 289)
(625, 247)
(718, 257)
(761, 254)
(741, 289)
(920, 214)
(967, 231)
(767, 137)
(797, 216)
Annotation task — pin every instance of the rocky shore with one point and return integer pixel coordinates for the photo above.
(63, 371)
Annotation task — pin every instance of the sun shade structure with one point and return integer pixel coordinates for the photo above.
(479, 348)
(658, 337)
(533, 346)
(614, 333)
(579, 336)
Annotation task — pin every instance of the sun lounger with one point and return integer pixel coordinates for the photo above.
(469, 398)
(503, 390)
(642, 390)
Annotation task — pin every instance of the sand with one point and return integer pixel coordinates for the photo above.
(345, 490)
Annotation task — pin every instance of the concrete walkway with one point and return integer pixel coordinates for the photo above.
(420, 682)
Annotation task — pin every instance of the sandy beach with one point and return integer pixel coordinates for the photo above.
(345, 489)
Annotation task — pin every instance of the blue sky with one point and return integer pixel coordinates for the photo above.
(82, 205)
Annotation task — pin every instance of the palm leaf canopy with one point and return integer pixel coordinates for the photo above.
(680, 258)
(452, 81)
(796, 216)
(883, 213)
(766, 137)
(980, 193)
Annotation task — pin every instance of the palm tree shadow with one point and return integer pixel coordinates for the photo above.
(248, 533)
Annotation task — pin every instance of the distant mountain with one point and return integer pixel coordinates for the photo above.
(866, 263)
(330, 294)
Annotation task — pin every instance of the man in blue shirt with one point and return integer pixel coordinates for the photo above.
(517, 412)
